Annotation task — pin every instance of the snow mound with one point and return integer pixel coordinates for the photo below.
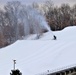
(67, 33)
(35, 57)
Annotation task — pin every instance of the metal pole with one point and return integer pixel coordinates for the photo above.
(14, 63)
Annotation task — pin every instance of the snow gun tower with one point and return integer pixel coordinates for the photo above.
(15, 71)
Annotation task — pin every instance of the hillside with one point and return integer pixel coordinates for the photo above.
(35, 57)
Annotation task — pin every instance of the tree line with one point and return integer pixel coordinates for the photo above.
(13, 14)
(58, 17)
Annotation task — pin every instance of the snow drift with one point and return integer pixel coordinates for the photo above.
(35, 57)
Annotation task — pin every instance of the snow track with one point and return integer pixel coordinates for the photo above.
(35, 57)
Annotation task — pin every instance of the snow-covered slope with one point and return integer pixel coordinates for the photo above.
(35, 57)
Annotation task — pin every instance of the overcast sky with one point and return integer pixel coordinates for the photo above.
(56, 2)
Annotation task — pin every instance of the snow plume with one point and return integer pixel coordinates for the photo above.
(34, 22)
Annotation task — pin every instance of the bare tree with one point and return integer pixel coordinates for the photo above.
(12, 10)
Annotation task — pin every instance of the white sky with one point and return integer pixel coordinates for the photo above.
(56, 2)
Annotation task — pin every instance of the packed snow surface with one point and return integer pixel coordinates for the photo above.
(35, 57)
